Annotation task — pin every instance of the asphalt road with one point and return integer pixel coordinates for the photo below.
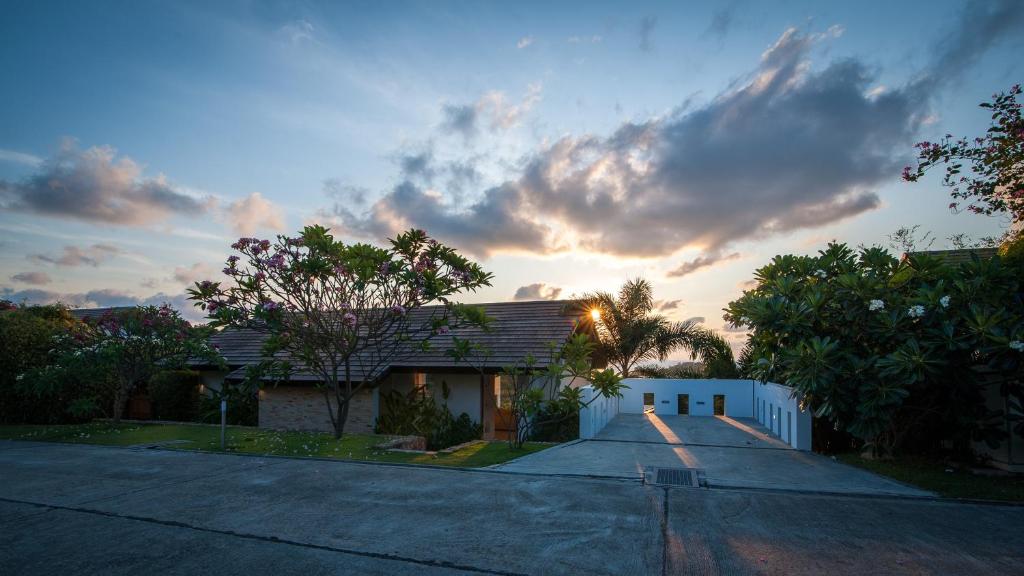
(97, 510)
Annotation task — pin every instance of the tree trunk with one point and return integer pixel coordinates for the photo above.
(120, 398)
(343, 401)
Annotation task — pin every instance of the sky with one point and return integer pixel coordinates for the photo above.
(565, 146)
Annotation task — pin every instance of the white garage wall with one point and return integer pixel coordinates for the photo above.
(738, 394)
(776, 409)
(770, 404)
(596, 413)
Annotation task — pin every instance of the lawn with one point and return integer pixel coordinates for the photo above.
(933, 476)
(266, 442)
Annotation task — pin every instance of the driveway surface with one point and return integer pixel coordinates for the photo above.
(74, 509)
(733, 453)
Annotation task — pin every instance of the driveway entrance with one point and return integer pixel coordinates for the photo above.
(732, 452)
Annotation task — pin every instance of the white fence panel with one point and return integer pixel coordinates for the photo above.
(777, 409)
(597, 414)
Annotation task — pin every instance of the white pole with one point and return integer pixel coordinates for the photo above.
(223, 419)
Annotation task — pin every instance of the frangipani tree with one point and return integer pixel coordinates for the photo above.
(341, 313)
(894, 352)
(124, 348)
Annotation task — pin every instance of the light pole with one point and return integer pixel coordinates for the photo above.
(223, 419)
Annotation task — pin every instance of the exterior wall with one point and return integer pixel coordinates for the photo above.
(770, 404)
(464, 389)
(303, 408)
(738, 396)
(464, 393)
(596, 414)
(776, 409)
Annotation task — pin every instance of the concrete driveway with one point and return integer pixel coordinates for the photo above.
(733, 453)
(74, 509)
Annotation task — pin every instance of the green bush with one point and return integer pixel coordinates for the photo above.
(243, 404)
(175, 395)
(417, 414)
(900, 354)
(556, 422)
(29, 393)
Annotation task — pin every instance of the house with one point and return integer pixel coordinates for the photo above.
(956, 257)
(519, 329)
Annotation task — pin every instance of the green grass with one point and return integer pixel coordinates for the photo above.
(933, 476)
(265, 442)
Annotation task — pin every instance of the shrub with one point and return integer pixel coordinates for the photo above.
(243, 404)
(416, 413)
(28, 394)
(175, 395)
(556, 422)
(898, 354)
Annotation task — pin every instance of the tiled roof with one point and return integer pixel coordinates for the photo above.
(518, 329)
(957, 257)
(89, 313)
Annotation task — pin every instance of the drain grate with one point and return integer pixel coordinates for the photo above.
(688, 477)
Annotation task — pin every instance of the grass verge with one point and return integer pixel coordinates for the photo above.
(264, 442)
(942, 479)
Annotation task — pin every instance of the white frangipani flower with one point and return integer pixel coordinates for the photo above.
(944, 301)
(915, 311)
(876, 305)
(1017, 345)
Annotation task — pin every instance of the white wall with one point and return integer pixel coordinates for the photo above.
(738, 396)
(770, 404)
(598, 413)
(776, 409)
(464, 393)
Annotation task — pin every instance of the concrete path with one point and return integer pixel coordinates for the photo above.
(733, 453)
(74, 509)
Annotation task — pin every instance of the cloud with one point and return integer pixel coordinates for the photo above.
(298, 31)
(981, 26)
(103, 298)
(701, 262)
(794, 144)
(664, 305)
(38, 278)
(188, 275)
(493, 109)
(253, 213)
(23, 158)
(537, 291)
(734, 329)
(647, 24)
(695, 319)
(524, 42)
(722, 20)
(74, 256)
(595, 39)
(94, 185)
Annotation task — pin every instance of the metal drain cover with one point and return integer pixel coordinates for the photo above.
(685, 477)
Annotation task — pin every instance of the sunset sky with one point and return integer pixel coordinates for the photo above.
(567, 147)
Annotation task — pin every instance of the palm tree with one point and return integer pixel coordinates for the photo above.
(631, 333)
(629, 330)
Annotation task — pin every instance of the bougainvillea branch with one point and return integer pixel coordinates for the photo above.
(993, 180)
